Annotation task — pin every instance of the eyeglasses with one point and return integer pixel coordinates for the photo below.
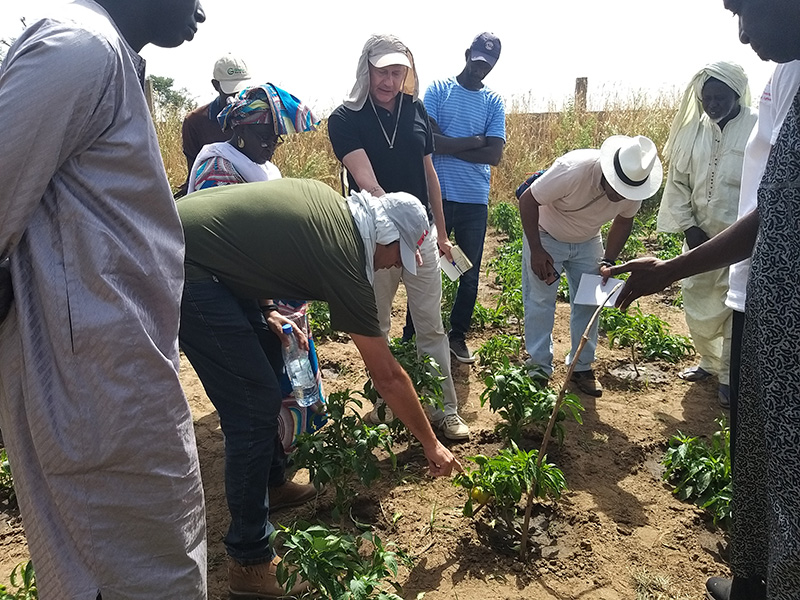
(269, 139)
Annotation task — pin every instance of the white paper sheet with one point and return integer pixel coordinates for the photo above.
(591, 290)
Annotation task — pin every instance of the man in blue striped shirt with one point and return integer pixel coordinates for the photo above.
(468, 121)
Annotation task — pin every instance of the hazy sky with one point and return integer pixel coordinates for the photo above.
(311, 48)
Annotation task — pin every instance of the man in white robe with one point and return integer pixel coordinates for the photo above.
(701, 197)
(98, 431)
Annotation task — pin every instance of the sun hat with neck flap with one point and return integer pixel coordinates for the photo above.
(381, 51)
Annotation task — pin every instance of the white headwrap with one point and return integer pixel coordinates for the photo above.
(379, 45)
(683, 132)
(373, 224)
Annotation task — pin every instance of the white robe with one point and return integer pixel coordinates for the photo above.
(98, 431)
(706, 195)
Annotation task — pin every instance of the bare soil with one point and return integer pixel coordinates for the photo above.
(618, 521)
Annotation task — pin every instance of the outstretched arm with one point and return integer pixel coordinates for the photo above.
(358, 165)
(396, 389)
(650, 275)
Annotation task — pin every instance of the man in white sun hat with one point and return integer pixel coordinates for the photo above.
(562, 213)
(200, 126)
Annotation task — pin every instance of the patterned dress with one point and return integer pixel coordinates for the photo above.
(766, 479)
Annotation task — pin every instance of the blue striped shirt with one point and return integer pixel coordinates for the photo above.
(460, 112)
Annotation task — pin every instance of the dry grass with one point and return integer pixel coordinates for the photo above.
(534, 141)
(168, 130)
(652, 586)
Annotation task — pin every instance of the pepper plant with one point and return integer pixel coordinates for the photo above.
(646, 335)
(6, 479)
(504, 216)
(701, 472)
(503, 480)
(522, 402)
(507, 267)
(424, 372)
(342, 452)
(495, 351)
(23, 582)
(340, 566)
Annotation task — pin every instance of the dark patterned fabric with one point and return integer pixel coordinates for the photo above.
(766, 479)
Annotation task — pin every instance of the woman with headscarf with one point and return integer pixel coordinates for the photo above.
(257, 120)
(382, 136)
(705, 151)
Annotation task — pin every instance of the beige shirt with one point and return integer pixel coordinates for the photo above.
(573, 206)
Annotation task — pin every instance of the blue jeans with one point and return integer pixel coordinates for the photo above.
(227, 342)
(540, 300)
(468, 221)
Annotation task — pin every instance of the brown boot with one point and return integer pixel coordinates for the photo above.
(259, 581)
(587, 383)
(290, 494)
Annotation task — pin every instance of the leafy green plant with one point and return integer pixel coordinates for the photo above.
(523, 403)
(340, 566)
(23, 582)
(449, 290)
(507, 267)
(701, 472)
(502, 481)
(646, 335)
(319, 319)
(498, 350)
(634, 246)
(483, 317)
(504, 216)
(341, 453)
(563, 289)
(6, 480)
(424, 372)
(670, 245)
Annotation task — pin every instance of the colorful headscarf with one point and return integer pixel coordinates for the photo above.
(683, 132)
(263, 104)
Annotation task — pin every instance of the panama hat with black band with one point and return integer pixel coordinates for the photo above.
(631, 166)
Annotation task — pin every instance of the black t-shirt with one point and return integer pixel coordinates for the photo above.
(398, 169)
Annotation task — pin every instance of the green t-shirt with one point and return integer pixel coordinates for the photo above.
(287, 238)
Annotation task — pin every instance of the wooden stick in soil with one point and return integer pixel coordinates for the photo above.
(523, 547)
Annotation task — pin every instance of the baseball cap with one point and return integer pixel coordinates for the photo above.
(411, 220)
(485, 47)
(232, 74)
(388, 51)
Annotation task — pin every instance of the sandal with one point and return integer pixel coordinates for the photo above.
(694, 374)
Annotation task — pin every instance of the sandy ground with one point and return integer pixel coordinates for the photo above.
(616, 521)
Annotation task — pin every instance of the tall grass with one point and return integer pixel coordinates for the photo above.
(534, 141)
(168, 130)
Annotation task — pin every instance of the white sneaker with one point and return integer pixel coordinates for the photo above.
(454, 428)
(375, 418)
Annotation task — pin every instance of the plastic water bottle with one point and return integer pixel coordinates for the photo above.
(298, 368)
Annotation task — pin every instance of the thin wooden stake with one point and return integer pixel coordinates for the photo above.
(584, 338)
